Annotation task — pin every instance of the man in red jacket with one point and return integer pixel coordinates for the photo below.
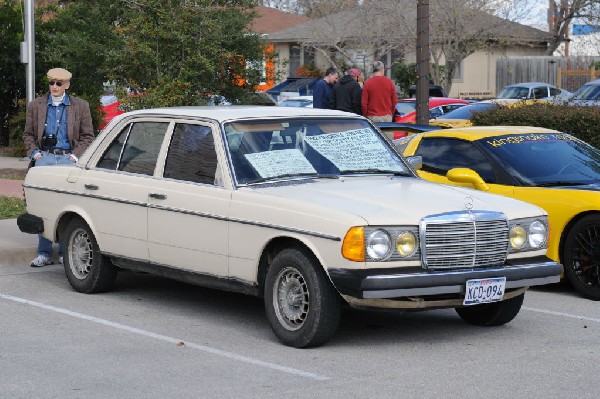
(379, 96)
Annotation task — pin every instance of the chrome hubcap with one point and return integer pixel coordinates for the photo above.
(80, 254)
(290, 299)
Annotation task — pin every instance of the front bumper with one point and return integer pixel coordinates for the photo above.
(31, 224)
(416, 282)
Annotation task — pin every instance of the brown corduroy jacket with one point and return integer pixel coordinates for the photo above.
(80, 130)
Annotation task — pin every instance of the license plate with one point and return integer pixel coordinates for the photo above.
(484, 290)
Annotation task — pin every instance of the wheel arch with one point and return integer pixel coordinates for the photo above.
(270, 251)
(64, 221)
(568, 228)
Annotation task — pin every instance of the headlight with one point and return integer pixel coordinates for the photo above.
(529, 234)
(518, 236)
(406, 243)
(378, 245)
(537, 234)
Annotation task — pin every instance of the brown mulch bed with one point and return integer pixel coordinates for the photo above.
(14, 174)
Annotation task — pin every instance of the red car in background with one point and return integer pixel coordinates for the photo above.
(109, 108)
(406, 109)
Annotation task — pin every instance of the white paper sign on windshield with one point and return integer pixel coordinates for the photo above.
(281, 162)
(358, 149)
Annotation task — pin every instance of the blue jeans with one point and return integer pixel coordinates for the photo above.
(47, 159)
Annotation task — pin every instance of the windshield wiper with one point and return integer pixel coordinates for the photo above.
(560, 183)
(374, 171)
(309, 175)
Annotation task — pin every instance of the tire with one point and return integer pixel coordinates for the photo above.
(582, 257)
(492, 314)
(87, 270)
(301, 304)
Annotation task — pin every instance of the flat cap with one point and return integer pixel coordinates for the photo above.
(59, 74)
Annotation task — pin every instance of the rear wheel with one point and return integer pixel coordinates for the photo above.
(492, 314)
(582, 257)
(302, 306)
(87, 270)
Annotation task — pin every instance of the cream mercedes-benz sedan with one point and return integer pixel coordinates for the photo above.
(309, 209)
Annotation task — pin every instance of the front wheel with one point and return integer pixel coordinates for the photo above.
(302, 306)
(87, 270)
(492, 314)
(582, 257)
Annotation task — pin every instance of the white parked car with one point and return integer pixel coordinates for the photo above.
(533, 91)
(299, 101)
(306, 208)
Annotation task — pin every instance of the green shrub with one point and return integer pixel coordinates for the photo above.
(580, 121)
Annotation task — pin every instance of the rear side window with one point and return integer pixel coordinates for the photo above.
(442, 154)
(136, 148)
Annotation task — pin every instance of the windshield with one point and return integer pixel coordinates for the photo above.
(404, 108)
(468, 110)
(292, 148)
(295, 103)
(514, 92)
(546, 158)
(587, 92)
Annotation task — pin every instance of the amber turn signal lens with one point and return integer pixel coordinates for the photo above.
(353, 246)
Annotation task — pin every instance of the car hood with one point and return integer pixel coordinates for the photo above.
(386, 200)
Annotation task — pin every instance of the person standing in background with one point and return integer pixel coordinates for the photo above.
(347, 93)
(379, 96)
(58, 129)
(324, 88)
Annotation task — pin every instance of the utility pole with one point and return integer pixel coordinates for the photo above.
(28, 50)
(423, 57)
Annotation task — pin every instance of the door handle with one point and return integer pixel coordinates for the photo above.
(91, 186)
(158, 196)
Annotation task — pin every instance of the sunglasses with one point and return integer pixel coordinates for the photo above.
(55, 83)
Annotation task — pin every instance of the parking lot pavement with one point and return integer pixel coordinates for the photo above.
(16, 247)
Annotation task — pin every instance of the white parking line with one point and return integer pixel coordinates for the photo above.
(572, 316)
(230, 355)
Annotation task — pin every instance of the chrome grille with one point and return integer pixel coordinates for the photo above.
(464, 240)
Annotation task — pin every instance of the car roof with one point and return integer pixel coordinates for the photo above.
(299, 98)
(435, 101)
(593, 82)
(232, 112)
(530, 84)
(473, 133)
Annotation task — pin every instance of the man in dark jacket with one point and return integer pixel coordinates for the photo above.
(347, 92)
(322, 90)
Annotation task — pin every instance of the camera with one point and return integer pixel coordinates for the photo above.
(49, 141)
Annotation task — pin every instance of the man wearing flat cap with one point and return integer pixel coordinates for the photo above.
(58, 129)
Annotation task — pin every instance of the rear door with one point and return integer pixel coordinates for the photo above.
(116, 187)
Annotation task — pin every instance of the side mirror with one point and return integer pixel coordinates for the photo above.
(415, 161)
(469, 176)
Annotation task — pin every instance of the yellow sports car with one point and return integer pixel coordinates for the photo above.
(553, 170)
